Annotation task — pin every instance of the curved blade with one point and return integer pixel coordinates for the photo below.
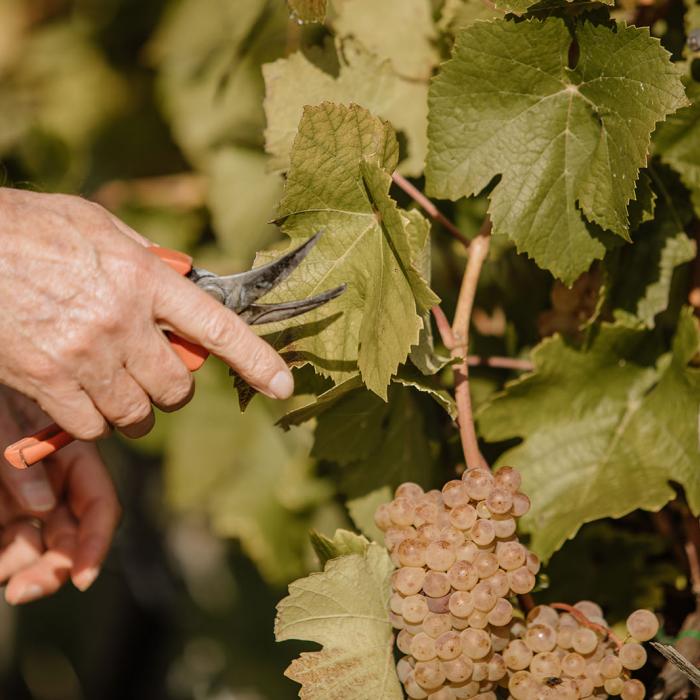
(241, 290)
(257, 314)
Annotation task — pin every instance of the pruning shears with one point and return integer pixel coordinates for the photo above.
(239, 292)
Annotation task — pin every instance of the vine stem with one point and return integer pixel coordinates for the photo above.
(583, 620)
(445, 331)
(478, 251)
(430, 208)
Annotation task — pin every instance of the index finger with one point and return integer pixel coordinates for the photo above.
(198, 317)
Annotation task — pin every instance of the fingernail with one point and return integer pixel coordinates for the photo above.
(282, 385)
(37, 495)
(86, 578)
(30, 592)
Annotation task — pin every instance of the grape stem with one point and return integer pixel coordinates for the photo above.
(445, 331)
(434, 213)
(478, 251)
(583, 620)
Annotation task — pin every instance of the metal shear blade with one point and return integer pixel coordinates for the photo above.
(240, 292)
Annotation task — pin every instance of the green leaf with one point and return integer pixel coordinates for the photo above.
(677, 142)
(604, 429)
(362, 511)
(660, 247)
(375, 443)
(338, 183)
(309, 10)
(253, 481)
(242, 196)
(208, 54)
(345, 608)
(343, 542)
(455, 15)
(567, 143)
(409, 44)
(363, 79)
(520, 7)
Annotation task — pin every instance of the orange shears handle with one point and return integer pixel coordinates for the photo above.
(33, 449)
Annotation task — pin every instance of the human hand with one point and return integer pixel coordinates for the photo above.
(57, 519)
(83, 306)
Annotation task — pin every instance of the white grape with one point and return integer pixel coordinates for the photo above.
(409, 490)
(461, 604)
(414, 609)
(408, 580)
(476, 643)
(448, 645)
(423, 647)
(517, 655)
(402, 511)
(439, 555)
(462, 576)
(412, 552)
(454, 493)
(632, 656)
(642, 625)
(632, 689)
(436, 584)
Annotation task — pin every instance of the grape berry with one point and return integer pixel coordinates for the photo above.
(460, 568)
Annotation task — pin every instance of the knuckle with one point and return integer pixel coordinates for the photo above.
(92, 430)
(178, 393)
(131, 414)
(219, 332)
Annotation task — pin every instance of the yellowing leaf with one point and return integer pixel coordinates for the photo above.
(338, 183)
(364, 79)
(566, 143)
(345, 608)
(208, 54)
(408, 44)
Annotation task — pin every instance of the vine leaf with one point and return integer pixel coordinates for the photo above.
(660, 247)
(409, 45)
(604, 430)
(678, 143)
(567, 143)
(343, 542)
(345, 608)
(374, 443)
(338, 183)
(309, 10)
(209, 70)
(519, 7)
(364, 79)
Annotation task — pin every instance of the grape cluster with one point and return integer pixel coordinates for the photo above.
(570, 655)
(459, 562)
(460, 567)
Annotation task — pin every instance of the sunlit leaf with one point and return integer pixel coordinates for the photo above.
(345, 609)
(604, 429)
(363, 79)
(567, 143)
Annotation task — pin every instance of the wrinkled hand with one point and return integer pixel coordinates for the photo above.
(57, 519)
(82, 307)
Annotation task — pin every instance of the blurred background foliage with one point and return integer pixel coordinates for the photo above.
(155, 110)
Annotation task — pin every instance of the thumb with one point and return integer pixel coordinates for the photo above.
(30, 487)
